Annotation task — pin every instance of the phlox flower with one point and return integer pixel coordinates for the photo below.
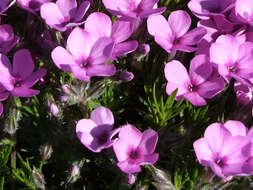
(63, 13)
(7, 38)
(224, 148)
(200, 83)
(100, 25)
(137, 9)
(244, 11)
(31, 5)
(204, 9)
(3, 96)
(236, 62)
(244, 93)
(173, 34)
(134, 148)
(85, 55)
(19, 77)
(96, 133)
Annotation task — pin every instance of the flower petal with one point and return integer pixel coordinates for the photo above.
(179, 22)
(34, 77)
(67, 7)
(102, 116)
(23, 91)
(193, 37)
(158, 25)
(236, 128)
(5, 72)
(23, 65)
(202, 151)
(124, 48)
(101, 70)
(81, 10)
(195, 99)
(128, 167)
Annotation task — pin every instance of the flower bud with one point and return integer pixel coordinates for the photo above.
(46, 152)
(54, 109)
(126, 76)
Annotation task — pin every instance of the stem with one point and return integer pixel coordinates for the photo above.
(13, 152)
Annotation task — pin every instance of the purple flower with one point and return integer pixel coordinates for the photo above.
(31, 5)
(96, 133)
(3, 96)
(225, 148)
(199, 84)
(5, 4)
(100, 25)
(204, 9)
(134, 148)
(137, 9)
(236, 62)
(7, 38)
(172, 35)
(63, 13)
(244, 11)
(19, 77)
(244, 93)
(85, 55)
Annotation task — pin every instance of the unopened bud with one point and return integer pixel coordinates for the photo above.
(130, 179)
(126, 76)
(54, 109)
(144, 49)
(46, 152)
(38, 179)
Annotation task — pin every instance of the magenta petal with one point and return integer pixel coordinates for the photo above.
(202, 151)
(124, 48)
(23, 65)
(217, 136)
(51, 13)
(4, 96)
(6, 33)
(193, 37)
(81, 10)
(79, 43)
(34, 77)
(5, 72)
(80, 73)
(122, 29)
(211, 88)
(171, 71)
(147, 13)
(128, 167)
(102, 115)
(62, 59)
(148, 141)
(158, 25)
(101, 51)
(200, 69)
(195, 99)
(216, 169)
(1, 108)
(181, 90)
(101, 70)
(179, 22)
(23, 91)
(147, 4)
(165, 43)
(67, 7)
(149, 159)
(236, 128)
(99, 25)
(116, 5)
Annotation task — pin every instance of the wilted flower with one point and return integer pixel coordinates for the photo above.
(19, 77)
(96, 133)
(85, 55)
(173, 34)
(134, 148)
(225, 148)
(63, 13)
(196, 85)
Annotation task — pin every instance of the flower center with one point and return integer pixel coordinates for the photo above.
(192, 88)
(220, 162)
(134, 154)
(232, 69)
(102, 139)
(17, 81)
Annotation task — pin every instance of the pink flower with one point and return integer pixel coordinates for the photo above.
(134, 148)
(244, 11)
(195, 86)
(172, 35)
(96, 133)
(100, 25)
(31, 5)
(225, 148)
(236, 62)
(19, 77)
(63, 13)
(85, 55)
(54, 109)
(133, 8)
(7, 38)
